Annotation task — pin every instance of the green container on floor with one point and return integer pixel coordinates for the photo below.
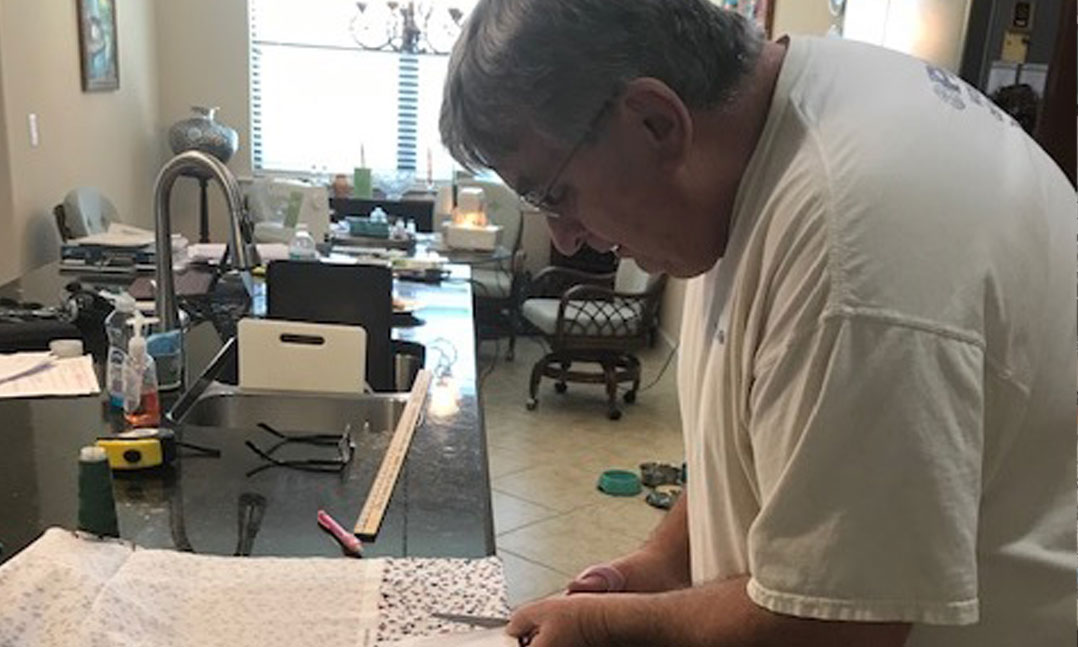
(619, 483)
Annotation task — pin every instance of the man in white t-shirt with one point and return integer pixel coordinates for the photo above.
(877, 380)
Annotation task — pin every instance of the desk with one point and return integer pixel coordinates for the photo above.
(422, 211)
(441, 506)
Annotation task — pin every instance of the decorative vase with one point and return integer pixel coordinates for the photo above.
(202, 133)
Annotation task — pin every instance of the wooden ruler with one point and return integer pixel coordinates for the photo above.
(370, 518)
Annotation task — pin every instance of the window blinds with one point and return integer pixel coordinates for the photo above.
(321, 103)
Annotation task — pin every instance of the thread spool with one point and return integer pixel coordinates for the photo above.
(97, 509)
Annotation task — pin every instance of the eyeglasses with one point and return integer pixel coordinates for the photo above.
(343, 442)
(541, 199)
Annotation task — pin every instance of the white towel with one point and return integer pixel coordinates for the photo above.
(68, 590)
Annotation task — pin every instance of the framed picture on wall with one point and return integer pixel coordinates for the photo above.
(98, 54)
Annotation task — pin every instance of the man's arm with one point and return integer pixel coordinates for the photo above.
(719, 614)
(662, 564)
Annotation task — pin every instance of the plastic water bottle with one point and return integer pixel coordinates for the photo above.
(302, 247)
(119, 333)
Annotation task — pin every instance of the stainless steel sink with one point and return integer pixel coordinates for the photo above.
(212, 403)
(230, 407)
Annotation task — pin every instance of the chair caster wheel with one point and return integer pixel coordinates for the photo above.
(629, 397)
(614, 414)
(531, 404)
(561, 387)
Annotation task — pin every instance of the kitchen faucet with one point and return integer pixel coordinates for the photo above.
(241, 253)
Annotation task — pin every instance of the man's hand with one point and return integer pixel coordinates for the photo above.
(561, 622)
(718, 614)
(642, 571)
(662, 564)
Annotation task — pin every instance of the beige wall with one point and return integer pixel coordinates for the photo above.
(9, 259)
(671, 310)
(105, 140)
(202, 59)
(801, 17)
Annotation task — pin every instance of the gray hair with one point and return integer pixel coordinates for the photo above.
(548, 65)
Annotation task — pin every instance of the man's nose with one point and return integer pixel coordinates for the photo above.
(567, 234)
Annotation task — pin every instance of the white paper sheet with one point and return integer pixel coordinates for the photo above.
(14, 365)
(45, 376)
(212, 252)
(119, 235)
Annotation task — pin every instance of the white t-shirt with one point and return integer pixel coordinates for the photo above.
(877, 381)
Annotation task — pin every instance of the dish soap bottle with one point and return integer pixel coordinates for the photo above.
(117, 329)
(142, 407)
(302, 247)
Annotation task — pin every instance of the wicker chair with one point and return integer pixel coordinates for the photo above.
(597, 319)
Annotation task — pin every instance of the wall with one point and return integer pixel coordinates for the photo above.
(106, 140)
(9, 255)
(202, 59)
(801, 17)
(671, 311)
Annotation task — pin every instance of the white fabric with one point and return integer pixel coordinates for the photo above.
(630, 278)
(64, 590)
(879, 419)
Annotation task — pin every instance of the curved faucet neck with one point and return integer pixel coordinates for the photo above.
(195, 163)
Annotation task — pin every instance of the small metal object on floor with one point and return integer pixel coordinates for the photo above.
(663, 497)
(653, 474)
(663, 479)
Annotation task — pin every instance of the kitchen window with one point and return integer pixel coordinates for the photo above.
(323, 100)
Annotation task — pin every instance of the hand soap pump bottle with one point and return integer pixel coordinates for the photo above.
(142, 407)
(118, 331)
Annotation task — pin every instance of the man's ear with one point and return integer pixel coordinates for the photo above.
(659, 114)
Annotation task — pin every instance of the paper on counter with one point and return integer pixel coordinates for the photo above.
(483, 638)
(50, 376)
(14, 365)
(119, 235)
(213, 252)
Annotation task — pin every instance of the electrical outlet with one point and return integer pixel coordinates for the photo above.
(34, 140)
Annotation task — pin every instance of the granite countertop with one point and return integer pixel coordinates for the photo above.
(440, 507)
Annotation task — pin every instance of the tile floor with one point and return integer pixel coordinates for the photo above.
(550, 520)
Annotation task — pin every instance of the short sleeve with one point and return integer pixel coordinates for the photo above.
(867, 441)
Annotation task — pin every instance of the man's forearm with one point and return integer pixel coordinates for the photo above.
(667, 550)
(671, 536)
(721, 614)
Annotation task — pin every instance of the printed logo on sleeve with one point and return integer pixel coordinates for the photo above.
(949, 89)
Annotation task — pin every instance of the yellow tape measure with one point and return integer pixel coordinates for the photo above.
(139, 449)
